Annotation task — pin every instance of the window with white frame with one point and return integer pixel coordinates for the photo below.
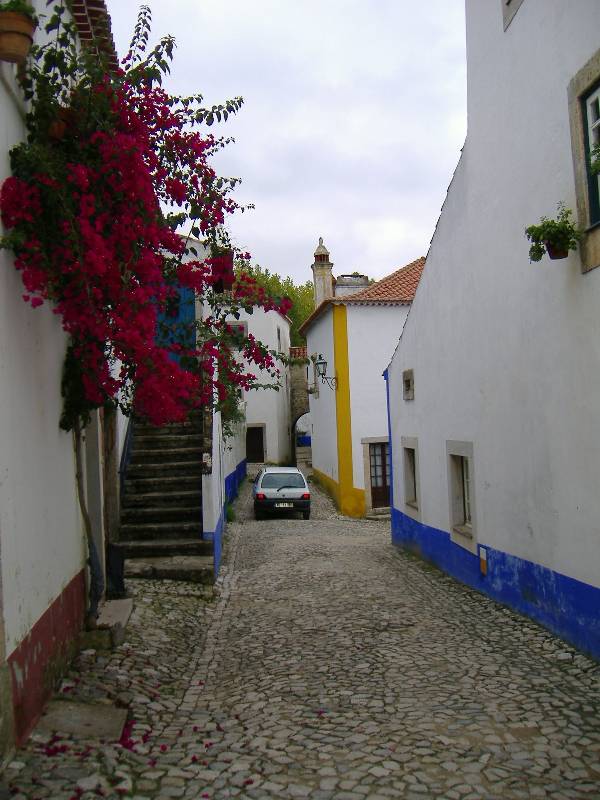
(461, 494)
(584, 119)
(591, 113)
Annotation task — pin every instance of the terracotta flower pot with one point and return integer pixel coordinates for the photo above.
(16, 36)
(555, 252)
(65, 118)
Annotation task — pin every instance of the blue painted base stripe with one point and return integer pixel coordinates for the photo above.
(232, 483)
(567, 607)
(234, 479)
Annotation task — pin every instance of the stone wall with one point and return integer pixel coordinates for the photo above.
(299, 384)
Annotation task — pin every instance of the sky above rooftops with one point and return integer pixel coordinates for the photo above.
(353, 121)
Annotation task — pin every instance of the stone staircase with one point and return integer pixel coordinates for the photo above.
(382, 514)
(161, 504)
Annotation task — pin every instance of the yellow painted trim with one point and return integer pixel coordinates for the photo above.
(331, 487)
(351, 500)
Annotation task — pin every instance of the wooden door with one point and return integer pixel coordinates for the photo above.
(379, 460)
(255, 445)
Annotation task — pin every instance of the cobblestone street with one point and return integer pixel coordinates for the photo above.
(329, 666)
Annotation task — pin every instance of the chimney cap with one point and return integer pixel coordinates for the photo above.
(321, 249)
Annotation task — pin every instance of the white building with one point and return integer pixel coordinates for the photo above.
(43, 550)
(268, 434)
(220, 487)
(494, 389)
(354, 329)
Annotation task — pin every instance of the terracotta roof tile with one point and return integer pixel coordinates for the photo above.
(399, 287)
(93, 26)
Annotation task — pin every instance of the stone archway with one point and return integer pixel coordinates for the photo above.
(298, 391)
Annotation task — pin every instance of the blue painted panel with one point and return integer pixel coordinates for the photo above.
(567, 607)
(176, 323)
(303, 441)
(232, 483)
(218, 543)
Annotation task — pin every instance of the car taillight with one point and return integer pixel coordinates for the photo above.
(261, 496)
(306, 496)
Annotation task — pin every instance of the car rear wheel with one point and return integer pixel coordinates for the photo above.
(258, 514)
(306, 514)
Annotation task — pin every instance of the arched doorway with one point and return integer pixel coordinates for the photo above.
(302, 441)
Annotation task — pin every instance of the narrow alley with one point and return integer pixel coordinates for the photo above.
(330, 666)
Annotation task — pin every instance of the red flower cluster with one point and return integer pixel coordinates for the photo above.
(89, 233)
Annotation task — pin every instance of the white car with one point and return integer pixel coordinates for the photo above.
(280, 489)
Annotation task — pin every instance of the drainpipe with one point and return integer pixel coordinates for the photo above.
(96, 577)
(9, 85)
(389, 422)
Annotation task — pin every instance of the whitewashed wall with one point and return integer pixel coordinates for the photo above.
(268, 406)
(42, 541)
(213, 485)
(319, 340)
(505, 353)
(373, 333)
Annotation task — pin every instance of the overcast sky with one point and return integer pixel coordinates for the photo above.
(354, 116)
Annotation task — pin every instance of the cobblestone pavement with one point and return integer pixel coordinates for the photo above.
(330, 666)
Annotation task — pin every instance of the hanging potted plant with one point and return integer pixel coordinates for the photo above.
(553, 236)
(17, 24)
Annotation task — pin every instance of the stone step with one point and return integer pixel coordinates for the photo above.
(187, 513)
(156, 455)
(167, 483)
(196, 569)
(153, 469)
(166, 498)
(168, 547)
(143, 531)
(152, 441)
(195, 422)
(379, 517)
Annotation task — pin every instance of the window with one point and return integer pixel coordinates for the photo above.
(591, 114)
(240, 329)
(509, 9)
(461, 494)
(410, 477)
(584, 116)
(463, 518)
(277, 480)
(278, 339)
(408, 384)
(410, 457)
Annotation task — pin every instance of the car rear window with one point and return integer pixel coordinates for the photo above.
(275, 480)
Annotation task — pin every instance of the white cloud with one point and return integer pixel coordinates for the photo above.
(353, 121)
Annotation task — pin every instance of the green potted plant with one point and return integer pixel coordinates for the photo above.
(17, 24)
(553, 236)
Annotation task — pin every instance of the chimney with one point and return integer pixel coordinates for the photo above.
(350, 284)
(322, 275)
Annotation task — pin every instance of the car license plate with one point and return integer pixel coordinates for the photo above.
(284, 505)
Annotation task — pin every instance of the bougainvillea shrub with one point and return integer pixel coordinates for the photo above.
(113, 170)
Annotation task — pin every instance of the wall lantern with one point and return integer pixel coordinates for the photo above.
(321, 367)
